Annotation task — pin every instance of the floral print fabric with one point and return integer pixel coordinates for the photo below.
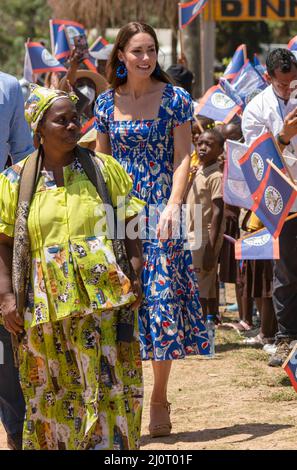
(170, 317)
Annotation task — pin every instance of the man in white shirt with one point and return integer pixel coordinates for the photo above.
(275, 110)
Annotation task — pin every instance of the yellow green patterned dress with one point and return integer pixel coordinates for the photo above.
(82, 389)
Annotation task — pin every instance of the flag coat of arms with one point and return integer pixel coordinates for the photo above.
(215, 104)
(273, 201)
(273, 196)
(258, 245)
(290, 366)
(187, 12)
(235, 189)
(248, 82)
(41, 60)
(62, 49)
(254, 164)
(237, 62)
(73, 29)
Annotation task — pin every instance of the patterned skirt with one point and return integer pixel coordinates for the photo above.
(82, 389)
(170, 317)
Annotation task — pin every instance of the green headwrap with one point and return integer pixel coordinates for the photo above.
(40, 100)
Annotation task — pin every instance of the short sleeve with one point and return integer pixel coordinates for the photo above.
(101, 112)
(119, 185)
(8, 202)
(215, 184)
(183, 109)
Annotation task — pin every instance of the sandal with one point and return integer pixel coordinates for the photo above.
(160, 424)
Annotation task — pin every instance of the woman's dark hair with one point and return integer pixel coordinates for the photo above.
(122, 39)
(282, 59)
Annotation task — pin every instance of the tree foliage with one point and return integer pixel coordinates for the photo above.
(22, 19)
(19, 21)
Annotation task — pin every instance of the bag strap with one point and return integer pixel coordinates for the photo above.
(27, 183)
(86, 158)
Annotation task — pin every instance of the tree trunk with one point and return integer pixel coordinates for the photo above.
(193, 54)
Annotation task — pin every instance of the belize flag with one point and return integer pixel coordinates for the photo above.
(254, 165)
(188, 11)
(62, 49)
(257, 245)
(248, 82)
(290, 366)
(73, 29)
(292, 45)
(99, 44)
(238, 60)
(231, 92)
(274, 199)
(258, 66)
(235, 189)
(215, 104)
(41, 60)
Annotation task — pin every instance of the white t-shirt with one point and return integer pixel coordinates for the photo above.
(266, 113)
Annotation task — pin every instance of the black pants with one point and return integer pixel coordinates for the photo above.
(285, 282)
(12, 404)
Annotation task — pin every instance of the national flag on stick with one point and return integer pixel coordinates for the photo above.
(254, 163)
(237, 62)
(187, 12)
(248, 82)
(98, 45)
(215, 104)
(274, 199)
(292, 45)
(72, 28)
(62, 49)
(290, 366)
(258, 245)
(235, 189)
(41, 60)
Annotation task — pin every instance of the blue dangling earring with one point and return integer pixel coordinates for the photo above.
(121, 70)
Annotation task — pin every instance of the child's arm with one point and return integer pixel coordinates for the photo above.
(209, 258)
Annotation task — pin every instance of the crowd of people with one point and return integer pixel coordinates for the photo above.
(83, 304)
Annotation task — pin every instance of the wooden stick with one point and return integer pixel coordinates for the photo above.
(288, 180)
(199, 124)
(202, 53)
(181, 42)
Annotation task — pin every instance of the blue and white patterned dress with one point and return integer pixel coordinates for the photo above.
(170, 316)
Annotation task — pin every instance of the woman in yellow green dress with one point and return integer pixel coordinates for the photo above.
(82, 387)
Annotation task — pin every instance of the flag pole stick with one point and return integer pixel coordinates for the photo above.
(198, 124)
(181, 42)
(288, 180)
(202, 53)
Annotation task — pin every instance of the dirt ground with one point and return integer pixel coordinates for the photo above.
(234, 401)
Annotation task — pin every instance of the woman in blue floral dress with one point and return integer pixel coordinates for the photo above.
(145, 122)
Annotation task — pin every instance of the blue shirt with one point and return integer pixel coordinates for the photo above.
(15, 136)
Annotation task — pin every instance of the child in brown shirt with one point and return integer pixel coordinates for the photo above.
(205, 232)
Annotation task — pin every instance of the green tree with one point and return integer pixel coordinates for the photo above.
(19, 21)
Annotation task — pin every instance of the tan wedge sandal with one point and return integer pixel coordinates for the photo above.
(160, 424)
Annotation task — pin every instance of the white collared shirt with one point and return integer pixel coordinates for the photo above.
(266, 113)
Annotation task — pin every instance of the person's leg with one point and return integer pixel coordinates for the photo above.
(160, 424)
(285, 292)
(12, 404)
(268, 326)
(245, 307)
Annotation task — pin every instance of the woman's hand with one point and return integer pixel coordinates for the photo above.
(137, 289)
(169, 222)
(11, 319)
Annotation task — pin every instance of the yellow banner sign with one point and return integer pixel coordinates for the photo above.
(252, 10)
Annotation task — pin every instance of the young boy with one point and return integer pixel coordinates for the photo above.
(206, 191)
